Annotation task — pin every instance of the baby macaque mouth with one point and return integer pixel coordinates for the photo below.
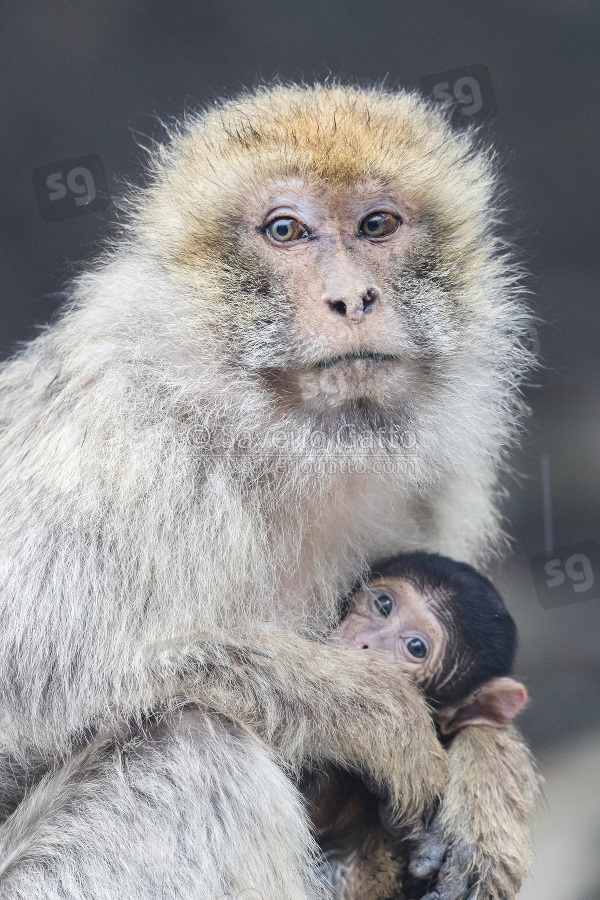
(360, 356)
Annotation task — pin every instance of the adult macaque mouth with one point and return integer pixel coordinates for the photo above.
(360, 356)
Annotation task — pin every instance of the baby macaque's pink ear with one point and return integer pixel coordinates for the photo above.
(494, 703)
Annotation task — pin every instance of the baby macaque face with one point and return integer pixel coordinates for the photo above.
(391, 614)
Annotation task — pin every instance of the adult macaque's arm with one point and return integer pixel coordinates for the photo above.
(313, 702)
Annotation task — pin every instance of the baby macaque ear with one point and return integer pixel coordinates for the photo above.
(494, 703)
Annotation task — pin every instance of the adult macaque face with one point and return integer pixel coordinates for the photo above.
(338, 272)
(337, 253)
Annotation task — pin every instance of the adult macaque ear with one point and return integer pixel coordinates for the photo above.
(495, 703)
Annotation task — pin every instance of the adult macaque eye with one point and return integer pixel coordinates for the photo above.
(417, 648)
(286, 229)
(383, 604)
(379, 224)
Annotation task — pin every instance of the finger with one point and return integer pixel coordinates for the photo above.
(429, 853)
(454, 879)
(427, 859)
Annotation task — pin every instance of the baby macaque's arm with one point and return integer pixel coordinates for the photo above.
(479, 843)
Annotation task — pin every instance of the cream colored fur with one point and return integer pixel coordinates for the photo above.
(144, 546)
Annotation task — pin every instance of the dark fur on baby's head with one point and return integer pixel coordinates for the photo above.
(482, 636)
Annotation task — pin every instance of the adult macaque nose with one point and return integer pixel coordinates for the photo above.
(353, 310)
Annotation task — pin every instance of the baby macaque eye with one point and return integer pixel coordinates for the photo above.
(286, 229)
(379, 224)
(383, 604)
(417, 648)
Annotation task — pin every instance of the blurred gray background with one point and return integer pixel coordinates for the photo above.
(82, 78)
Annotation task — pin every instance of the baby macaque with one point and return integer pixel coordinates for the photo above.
(448, 628)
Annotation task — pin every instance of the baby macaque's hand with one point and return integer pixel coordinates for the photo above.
(432, 863)
(450, 865)
(453, 867)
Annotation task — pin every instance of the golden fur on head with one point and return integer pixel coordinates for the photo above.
(335, 135)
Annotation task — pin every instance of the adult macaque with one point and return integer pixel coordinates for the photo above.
(448, 629)
(310, 286)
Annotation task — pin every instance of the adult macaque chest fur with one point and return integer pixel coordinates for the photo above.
(448, 629)
(301, 352)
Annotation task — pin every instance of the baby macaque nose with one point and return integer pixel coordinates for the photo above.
(354, 311)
